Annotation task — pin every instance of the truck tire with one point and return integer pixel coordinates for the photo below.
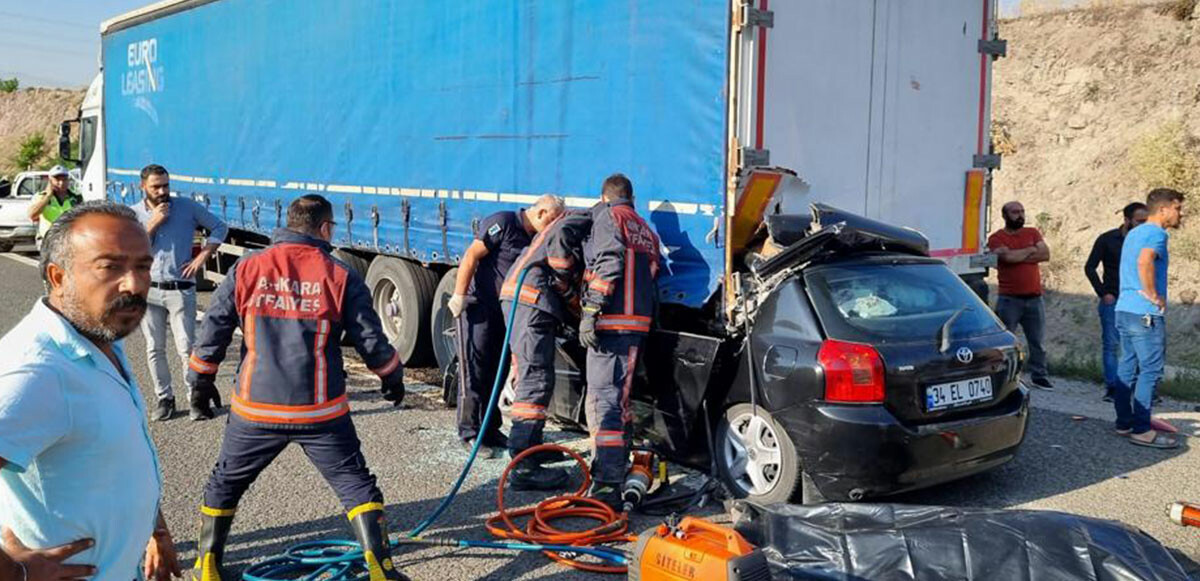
(6, 246)
(402, 294)
(778, 476)
(358, 264)
(442, 329)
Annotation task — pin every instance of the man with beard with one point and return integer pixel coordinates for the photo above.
(79, 476)
(1019, 250)
(171, 223)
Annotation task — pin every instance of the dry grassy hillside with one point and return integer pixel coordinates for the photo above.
(1093, 107)
(28, 111)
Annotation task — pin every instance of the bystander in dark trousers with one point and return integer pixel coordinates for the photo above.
(1110, 342)
(1143, 359)
(1029, 313)
(480, 335)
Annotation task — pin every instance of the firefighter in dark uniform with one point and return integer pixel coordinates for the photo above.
(293, 301)
(548, 298)
(622, 260)
(475, 305)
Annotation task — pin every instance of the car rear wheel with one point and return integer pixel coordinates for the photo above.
(756, 457)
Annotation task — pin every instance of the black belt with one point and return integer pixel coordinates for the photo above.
(176, 285)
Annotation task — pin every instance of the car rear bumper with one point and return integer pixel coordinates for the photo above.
(18, 233)
(859, 451)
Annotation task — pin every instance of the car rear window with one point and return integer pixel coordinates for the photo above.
(895, 302)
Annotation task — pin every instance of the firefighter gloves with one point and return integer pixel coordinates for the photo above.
(393, 388)
(205, 396)
(587, 328)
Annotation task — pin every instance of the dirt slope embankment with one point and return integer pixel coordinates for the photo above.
(28, 111)
(1093, 107)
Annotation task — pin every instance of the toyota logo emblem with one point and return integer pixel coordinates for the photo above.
(964, 355)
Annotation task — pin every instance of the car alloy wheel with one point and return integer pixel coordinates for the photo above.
(753, 452)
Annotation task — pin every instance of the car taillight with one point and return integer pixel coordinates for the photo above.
(853, 372)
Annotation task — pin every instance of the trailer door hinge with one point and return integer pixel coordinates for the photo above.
(986, 161)
(996, 47)
(443, 221)
(752, 16)
(406, 214)
(755, 157)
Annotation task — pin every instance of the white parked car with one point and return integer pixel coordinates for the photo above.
(15, 197)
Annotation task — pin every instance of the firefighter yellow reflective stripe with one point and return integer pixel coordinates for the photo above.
(210, 511)
(363, 508)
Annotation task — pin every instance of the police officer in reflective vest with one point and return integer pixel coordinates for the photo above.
(622, 260)
(475, 305)
(292, 302)
(548, 298)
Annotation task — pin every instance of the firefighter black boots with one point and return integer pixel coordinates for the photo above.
(210, 549)
(369, 528)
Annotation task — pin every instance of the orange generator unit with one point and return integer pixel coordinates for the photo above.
(696, 549)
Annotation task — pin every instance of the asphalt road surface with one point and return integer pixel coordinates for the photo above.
(1070, 461)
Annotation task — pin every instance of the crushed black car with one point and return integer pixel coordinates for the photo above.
(854, 366)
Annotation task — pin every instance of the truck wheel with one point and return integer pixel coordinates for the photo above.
(357, 263)
(402, 293)
(443, 330)
(756, 457)
(6, 246)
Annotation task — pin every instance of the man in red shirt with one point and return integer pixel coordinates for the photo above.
(1019, 250)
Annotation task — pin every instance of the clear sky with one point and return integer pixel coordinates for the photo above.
(55, 43)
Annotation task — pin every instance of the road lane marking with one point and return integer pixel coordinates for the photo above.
(21, 259)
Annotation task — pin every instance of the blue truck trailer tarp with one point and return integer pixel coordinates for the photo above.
(449, 110)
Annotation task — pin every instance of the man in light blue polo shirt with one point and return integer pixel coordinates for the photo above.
(76, 461)
(1141, 319)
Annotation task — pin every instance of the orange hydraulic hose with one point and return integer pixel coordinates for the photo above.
(611, 526)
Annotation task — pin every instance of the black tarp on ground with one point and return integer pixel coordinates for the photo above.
(896, 542)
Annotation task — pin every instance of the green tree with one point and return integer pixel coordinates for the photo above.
(31, 152)
(9, 85)
(54, 160)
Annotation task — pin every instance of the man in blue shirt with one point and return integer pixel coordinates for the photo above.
(1141, 321)
(79, 475)
(171, 223)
